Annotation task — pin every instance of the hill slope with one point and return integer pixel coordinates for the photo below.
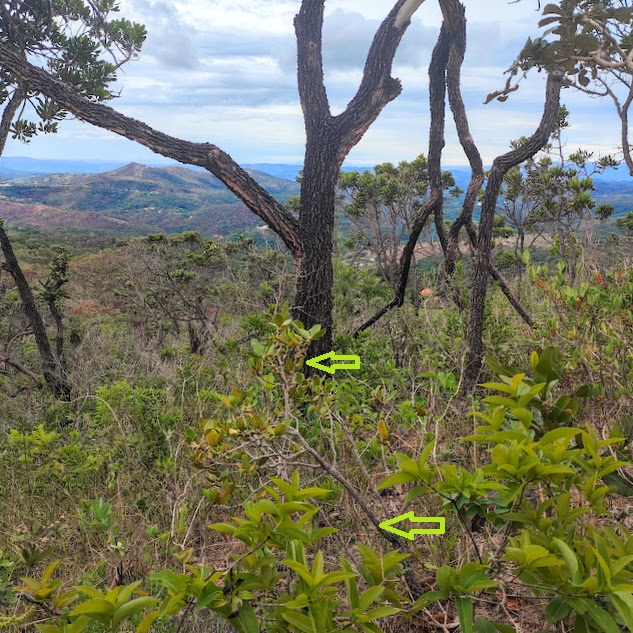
(138, 199)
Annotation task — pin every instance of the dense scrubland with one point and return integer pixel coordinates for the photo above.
(168, 459)
(198, 479)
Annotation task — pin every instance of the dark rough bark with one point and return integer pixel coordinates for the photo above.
(500, 166)
(496, 275)
(52, 371)
(454, 29)
(59, 334)
(454, 16)
(328, 141)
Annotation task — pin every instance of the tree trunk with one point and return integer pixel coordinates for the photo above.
(500, 167)
(315, 275)
(52, 371)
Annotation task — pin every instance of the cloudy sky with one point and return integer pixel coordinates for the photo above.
(223, 71)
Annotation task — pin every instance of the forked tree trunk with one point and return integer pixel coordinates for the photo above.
(329, 140)
(500, 167)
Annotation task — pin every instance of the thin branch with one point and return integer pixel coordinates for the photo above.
(412, 582)
(454, 16)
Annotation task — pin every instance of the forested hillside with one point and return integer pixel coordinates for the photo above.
(191, 406)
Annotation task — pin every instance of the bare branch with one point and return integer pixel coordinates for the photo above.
(377, 87)
(23, 370)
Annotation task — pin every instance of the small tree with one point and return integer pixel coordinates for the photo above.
(70, 39)
(175, 284)
(382, 205)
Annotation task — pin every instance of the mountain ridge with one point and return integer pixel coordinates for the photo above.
(135, 198)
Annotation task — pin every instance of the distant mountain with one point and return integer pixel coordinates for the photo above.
(20, 167)
(32, 166)
(136, 199)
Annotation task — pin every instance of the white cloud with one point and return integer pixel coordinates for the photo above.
(223, 71)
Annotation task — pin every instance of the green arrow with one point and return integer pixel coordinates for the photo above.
(388, 525)
(315, 362)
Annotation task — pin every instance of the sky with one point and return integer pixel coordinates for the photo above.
(223, 71)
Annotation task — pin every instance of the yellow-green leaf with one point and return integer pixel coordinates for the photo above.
(131, 608)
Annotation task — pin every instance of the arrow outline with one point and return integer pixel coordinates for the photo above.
(388, 525)
(315, 362)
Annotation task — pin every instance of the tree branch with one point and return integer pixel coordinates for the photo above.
(309, 30)
(206, 155)
(500, 167)
(433, 204)
(453, 13)
(23, 370)
(54, 380)
(377, 86)
(396, 541)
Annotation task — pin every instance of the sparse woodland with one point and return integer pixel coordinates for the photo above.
(169, 463)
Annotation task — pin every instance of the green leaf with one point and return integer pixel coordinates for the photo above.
(558, 434)
(126, 592)
(444, 579)
(498, 626)
(302, 571)
(246, 620)
(602, 618)
(147, 621)
(96, 608)
(395, 479)
(49, 572)
(299, 602)
(333, 577)
(465, 612)
(484, 626)
(370, 596)
(382, 612)
(570, 558)
(620, 564)
(556, 610)
(300, 621)
(487, 626)
(208, 594)
(351, 585)
(91, 592)
(623, 602)
(78, 625)
(131, 608)
(498, 386)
